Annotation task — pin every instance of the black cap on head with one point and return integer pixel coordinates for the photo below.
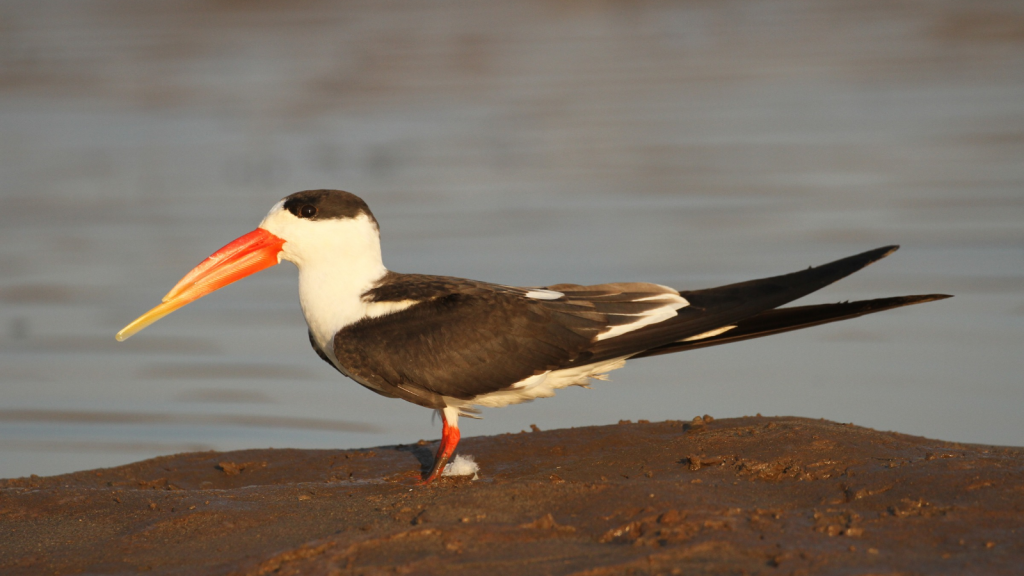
(327, 205)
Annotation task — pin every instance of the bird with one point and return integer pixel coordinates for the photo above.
(454, 345)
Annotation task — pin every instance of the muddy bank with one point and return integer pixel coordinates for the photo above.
(745, 495)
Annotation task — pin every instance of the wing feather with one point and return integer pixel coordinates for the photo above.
(465, 338)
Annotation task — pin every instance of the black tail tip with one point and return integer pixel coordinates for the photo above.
(864, 258)
(879, 253)
(921, 298)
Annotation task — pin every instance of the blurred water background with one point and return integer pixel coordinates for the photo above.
(689, 143)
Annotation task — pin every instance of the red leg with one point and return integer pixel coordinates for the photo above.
(449, 440)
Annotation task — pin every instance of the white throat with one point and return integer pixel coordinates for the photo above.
(338, 261)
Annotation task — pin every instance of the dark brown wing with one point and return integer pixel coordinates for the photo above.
(467, 338)
(462, 345)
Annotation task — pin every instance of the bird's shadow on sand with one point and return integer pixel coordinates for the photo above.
(424, 453)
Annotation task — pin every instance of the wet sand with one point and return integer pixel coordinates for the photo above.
(745, 495)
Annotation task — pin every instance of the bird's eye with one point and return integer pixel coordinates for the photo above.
(307, 211)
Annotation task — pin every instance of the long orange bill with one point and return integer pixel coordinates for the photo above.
(247, 255)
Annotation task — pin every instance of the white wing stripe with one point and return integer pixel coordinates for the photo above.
(538, 294)
(708, 334)
(673, 302)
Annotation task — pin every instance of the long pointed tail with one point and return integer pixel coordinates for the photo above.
(714, 308)
(785, 319)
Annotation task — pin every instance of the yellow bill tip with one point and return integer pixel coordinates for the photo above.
(148, 318)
